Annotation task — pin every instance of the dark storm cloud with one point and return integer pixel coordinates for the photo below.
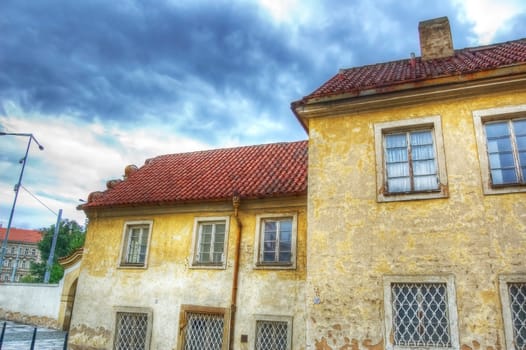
(120, 61)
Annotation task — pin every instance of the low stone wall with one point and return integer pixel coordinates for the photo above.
(35, 304)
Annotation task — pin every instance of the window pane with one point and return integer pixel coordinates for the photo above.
(517, 293)
(402, 184)
(423, 152)
(204, 332)
(131, 331)
(426, 183)
(501, 160)
(395, 155)
(519, 127)
(271, 335)
(424, 167)
(497, 129)
(397, 170)
(396, 140)
(421, 138)
(502, 177)
(499, 145)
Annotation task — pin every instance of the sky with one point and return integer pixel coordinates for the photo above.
(104, 84)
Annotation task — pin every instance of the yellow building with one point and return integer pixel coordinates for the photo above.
(416, 200)
(202, 250)
(414, 220)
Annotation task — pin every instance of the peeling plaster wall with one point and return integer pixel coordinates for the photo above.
(168, 281)
(354, 241)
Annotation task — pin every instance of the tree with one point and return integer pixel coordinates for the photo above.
(70, 237)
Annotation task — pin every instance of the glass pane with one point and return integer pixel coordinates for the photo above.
(395, 140)
(425, 167)
(499, 145)
(394, 155)
(397, 170)
(519, 126)
(497, 129)
(503, 176)
(426, 183)
(501, 160)
(421, 138)
(423, 152)
(521, 143)
(401, 184)
(220, 228)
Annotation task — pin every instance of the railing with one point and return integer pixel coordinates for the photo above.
(22, 336)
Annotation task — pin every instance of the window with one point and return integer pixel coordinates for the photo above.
(501, 140)
(204, 328)
(513, 298)
(420, 312)
(410, 161)
(132, 328)
(26, 251)
(276, 241)
(33, 251)
(210, 241)
(135, 244)
(273, 333)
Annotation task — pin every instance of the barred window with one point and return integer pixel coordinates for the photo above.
(420, 316)
(135, 245)
(513, 298)
(204, 328)
(132, 331)
(420, 312)
(273, 335)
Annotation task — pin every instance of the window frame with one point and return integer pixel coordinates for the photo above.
(452, 309)
(272, 318)
(125, 244)
(196, 238)
(504, 280)
(208, 310)
(258, 244)
(480, 118)
(136, 310)
(431, 123)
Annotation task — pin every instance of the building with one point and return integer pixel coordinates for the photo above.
(22, 249)
(417, 200)
(411, 234)
(197, 249)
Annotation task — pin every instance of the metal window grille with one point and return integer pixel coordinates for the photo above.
(276, 241)
(132, 331)
(204, 331)
(420, 314)
(517, 292)
(271, 335)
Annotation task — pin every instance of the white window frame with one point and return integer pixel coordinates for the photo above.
(273, 318)
(258, 244)
(506, 307)
(125, 244)
(431, 123)
(480, 117)
(452, 309)
(195, 263)
(136, 310)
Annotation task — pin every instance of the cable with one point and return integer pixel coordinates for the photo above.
(32, 195)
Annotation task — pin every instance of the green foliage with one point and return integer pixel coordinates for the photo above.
(70, 237)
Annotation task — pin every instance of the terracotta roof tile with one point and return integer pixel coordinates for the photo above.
(21, 235)
(382, 75)
(260, 171)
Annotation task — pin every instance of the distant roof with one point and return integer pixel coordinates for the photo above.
(21, 235)
(261, 171)
(385, 77)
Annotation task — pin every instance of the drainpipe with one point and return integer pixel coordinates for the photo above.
(233, 305)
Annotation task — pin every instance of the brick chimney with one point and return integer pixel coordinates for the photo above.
(435, 38)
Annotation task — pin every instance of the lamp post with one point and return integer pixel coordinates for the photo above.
(17, 188)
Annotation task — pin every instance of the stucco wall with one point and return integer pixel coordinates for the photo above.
(169, 281)
(354, 241)
(30, 303)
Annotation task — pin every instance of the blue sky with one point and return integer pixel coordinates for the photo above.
(106, 84)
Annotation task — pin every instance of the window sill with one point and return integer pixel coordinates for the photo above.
(203, 266)
(275, 266)
(410, 196)
(504, 189)
(132, 266)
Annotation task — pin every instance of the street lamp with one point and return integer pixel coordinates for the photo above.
(17, 188)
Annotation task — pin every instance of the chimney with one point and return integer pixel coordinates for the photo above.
(435, 38)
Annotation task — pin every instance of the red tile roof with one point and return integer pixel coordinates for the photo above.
(380, 77)
(21, 235)
(260, 171)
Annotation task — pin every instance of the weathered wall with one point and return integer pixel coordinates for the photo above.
(168, 281)
(36, 304)
(354, 241)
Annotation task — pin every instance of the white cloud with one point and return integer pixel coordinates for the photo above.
(488, 16)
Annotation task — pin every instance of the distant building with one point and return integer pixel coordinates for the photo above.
(22, 249)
